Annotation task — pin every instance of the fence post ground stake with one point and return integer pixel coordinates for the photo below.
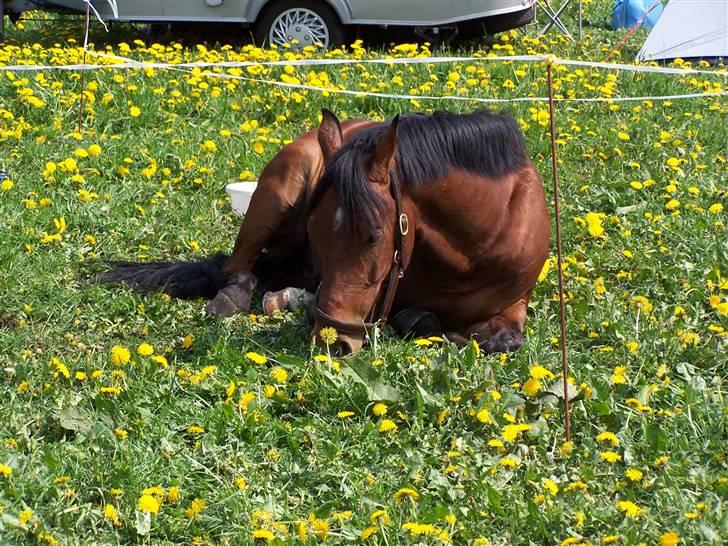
(83, 72)
(562, 306)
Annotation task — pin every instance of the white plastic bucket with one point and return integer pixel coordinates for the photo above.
(240, 195)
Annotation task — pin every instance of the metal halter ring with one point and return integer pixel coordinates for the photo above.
(403, 224)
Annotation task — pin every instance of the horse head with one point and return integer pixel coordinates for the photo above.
(359, 232)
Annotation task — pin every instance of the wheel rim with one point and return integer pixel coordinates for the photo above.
(301, 25)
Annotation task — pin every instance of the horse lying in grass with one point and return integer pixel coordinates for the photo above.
(439, 220)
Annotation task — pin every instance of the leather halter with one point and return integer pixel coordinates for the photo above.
(396, 272)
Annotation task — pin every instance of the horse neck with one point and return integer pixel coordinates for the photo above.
(460, 214)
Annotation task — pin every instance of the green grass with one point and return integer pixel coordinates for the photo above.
(651, 371)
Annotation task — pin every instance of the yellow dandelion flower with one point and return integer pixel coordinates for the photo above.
(388, 426)
(406, 493)
(61, 368)
(328, 335)
(531, 387)
(148, 503)
(120, 355)
(630, 509)
(195, 508)
(5, 471)
(145, 349)
(539, 372)
(112, 514)
(379, 409)
(279, 375)
(610, 456)
(245, 399)
(263, 535)
(484, 416)
(508, 462)
(25, 516)
(256, 358)
(380, 517)
(209, 147)
(320, 528)
(671, 538)
(511, 432)
(174, 494)
(594, 224)
(551, 487)
(161, 360)
(634, 474)
(618, 375)
(641, 303)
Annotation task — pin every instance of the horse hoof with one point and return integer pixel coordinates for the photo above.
(275, 301)
(288, 299)
(416, 323)
(234, 298)
(504, 341)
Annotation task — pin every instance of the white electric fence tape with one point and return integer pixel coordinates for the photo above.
(127, 63)
(132, 64)
(456, 97)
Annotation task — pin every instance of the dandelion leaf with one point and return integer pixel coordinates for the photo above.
(143, 523)
(74, 419)
(361, 371)
(555, 392)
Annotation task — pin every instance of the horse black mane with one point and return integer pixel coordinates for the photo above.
(485, 143)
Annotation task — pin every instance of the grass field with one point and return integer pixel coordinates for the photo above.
(135, 419)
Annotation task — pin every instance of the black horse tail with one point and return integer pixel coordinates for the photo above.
(185, 280)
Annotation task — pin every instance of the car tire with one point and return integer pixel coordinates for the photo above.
(318, 22)
(509, 21)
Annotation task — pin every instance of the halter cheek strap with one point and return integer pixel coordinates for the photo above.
(396, 272)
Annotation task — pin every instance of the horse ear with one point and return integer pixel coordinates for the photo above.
(329, 134)
(382, 160)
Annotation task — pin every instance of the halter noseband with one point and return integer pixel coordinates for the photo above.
(396, 272)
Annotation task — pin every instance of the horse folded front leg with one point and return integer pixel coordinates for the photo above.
(235, 297)
(502, 333)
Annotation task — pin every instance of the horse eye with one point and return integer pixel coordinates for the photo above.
(374, 237)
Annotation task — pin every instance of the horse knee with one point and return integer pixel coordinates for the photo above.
(415, 323)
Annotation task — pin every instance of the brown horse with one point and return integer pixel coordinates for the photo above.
(444, 213)
(456, 196)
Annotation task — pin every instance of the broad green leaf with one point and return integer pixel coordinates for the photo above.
(74, 419)
(361, 371)
(143, 522)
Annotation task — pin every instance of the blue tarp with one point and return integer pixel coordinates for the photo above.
(627, 13)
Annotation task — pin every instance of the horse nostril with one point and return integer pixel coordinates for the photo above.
(341, 348)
